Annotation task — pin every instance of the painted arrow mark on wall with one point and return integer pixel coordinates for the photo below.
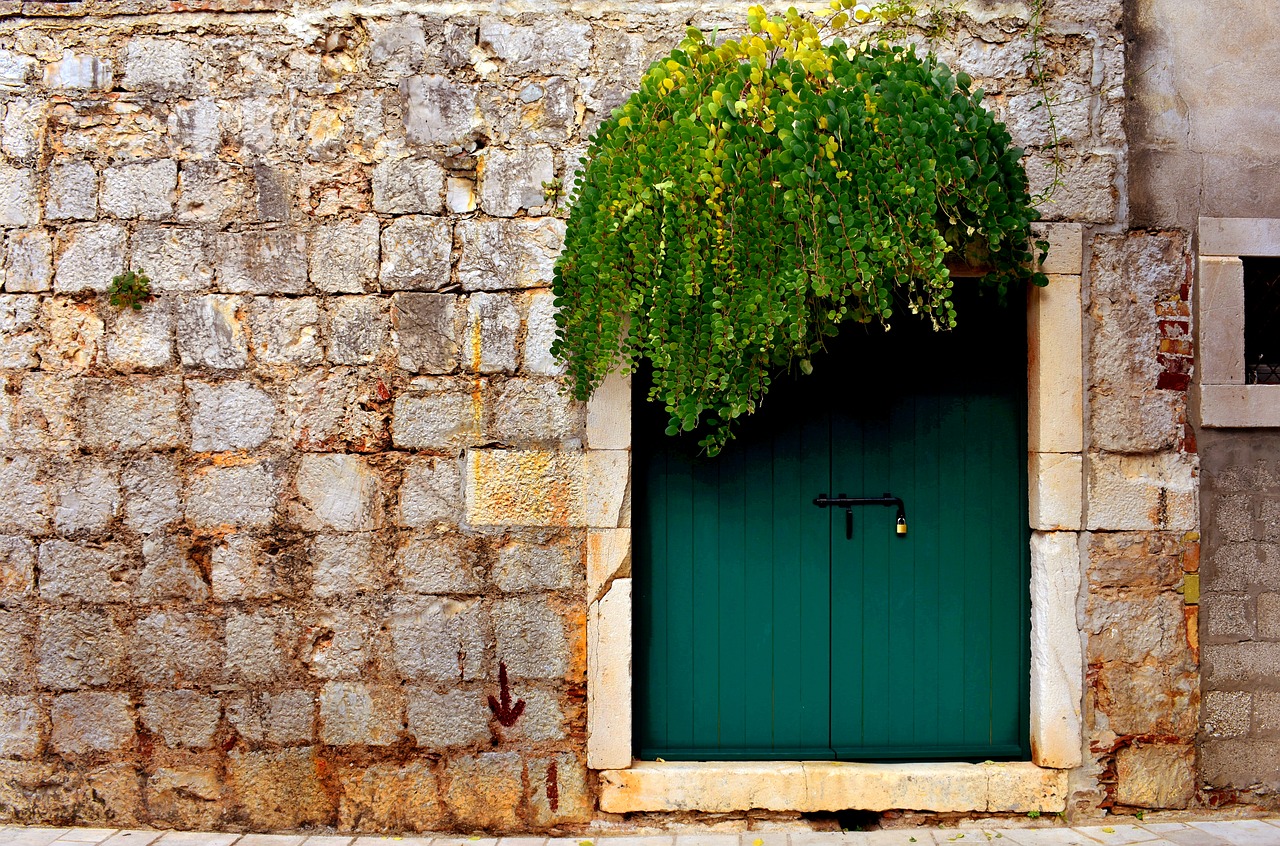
(506, 713)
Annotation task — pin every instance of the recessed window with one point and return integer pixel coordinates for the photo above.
(1262, 320)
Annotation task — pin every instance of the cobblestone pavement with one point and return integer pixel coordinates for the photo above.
(1260, 832)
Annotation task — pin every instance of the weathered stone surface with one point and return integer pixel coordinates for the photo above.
(609, 414)
(1232, 763)
(439, 564)
(438, 110)
(437, 639)
(176, 647)
(1142, 492)
(416, 254)
(87, 574)
(530, 637)
(44, 416)
(28, 506)
(505, 254)
(189, 795)
(1149, 699)
(75, 336)
(430, 492)
(558, 791)
(485, 791)
(1155, 776)
(158, 64)
(427, 329)
(20, 331)
(530, 49)
(142, 413)
(1136, 628)
(536, 488)
(358, 330)
(168, 572)
(344, 257)
(195, 126)
(88, 498)
(341, 643)
(211, 332)
(443, 720)
(529, 412)
(88, 256)
(439, 421)
(357, 714)
(28, 261)
(181, 718)
(286, 718)
(336, 491)
(1057, 664)
(267, 261)
(228, 415)
(17, 570)
(243, 495)
(150, 486)
(16, 639)
(512, 180)
(1136, 560)
(404, 185)
(281, 789)
(338, 409)
(73, 191)
(538, 562)
(78, 649)
(142, 339)
(389, 797)
(18, 205)
(215, 192)
(343, 565)
(145, 191)
(1226, 617)
(460, 194)
(540, 334)
(173, 258)
(609, 679)
(1227, 713)
(91, 722)
(21, 723)
(493, 324)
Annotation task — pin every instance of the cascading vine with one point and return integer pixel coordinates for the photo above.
(753, 196)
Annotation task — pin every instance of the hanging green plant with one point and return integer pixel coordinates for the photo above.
(755, 195)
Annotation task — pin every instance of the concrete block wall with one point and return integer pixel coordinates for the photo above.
(307, 540)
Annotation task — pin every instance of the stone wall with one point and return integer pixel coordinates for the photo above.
(305, 540)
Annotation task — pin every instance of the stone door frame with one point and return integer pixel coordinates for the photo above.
(1055, 397)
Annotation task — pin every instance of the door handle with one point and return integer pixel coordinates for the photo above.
(847, 503)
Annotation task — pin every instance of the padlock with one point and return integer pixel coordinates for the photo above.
(902, 525)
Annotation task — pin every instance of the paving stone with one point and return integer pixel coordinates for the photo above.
(344, 256)
(266, 261)
(88, 256)
(87, 835)
(28, 261)
(1239, 832)
(211, 332)
(229, 415)
(416, 254)
(508, 254)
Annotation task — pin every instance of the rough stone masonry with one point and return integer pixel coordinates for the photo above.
(257, 568)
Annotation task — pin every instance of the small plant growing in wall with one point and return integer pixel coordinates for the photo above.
(754, 196)
(130, 289)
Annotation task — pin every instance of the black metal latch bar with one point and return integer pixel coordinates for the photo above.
(847, 503)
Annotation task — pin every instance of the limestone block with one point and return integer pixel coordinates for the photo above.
(531, 638)
(427, 328)
(1056, 491)
(530, 49)
(337, 409)
(181, 718)
(1227, 713)
(195, 125)
(529, 412)
(1021, 788)
(438, 110)
(261, 645)
(78, 649)
(540, 334)
(505, 254)
(358, 329)
(340, 644)
(1149, 699)
(186, 795)
(460, 194)
(174, 259)
(88, 497)
(437, 639)
(609, 680)
(141, 340)
(170, 647)
(609, 414)
(15, 70)
(608, 557)
(17, 570)
(493, 323)
(88, 256)
(1156, 776)
(1142, 492)
(437, 564)
(141, 413)
(285, 331)
(398, 48)
(558, 790)
(29, 261)
(536, 488)
(706, 787)
(281, 789)
(511, 180)
(1239, 236)
(286, 718)
(83, 723)
(356, 714)
(16, 657)
(1220, 321)
(344, 256)
(150, 486)
(430, 493)
(18, 204)
(27, 506)
(73, 191)
(168, 573)
(243, 495)
(75, 333)
(24, 124)
(537, 561)
(1055, 400)
(389, 797)
(1135, 628)
(211, 332)
(542, 719)
(215, 192)
(1240, 406)
(20, 331)
(158, 64)
(1066, 247)
(228, 415)
(442, 421)
(345, 565)
(1025, 119)
(80, 71)
(403, 185)
(145, 191)
(416, 254)
(485, 791)
(264, 261)
(21, 723)
(1057, 662)
(336, 491)
(442, 720)
(549, 112)
(1087, 192)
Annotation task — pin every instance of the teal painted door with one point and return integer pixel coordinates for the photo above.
(763, 630)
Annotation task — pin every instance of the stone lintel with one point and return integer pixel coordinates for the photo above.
(1220, 321)
(1239, 236)
(1243, 406)
(809, 786)
(609, 679)
(1055, 378)
(1057, 657)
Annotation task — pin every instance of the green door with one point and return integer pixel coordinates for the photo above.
(768, 627)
